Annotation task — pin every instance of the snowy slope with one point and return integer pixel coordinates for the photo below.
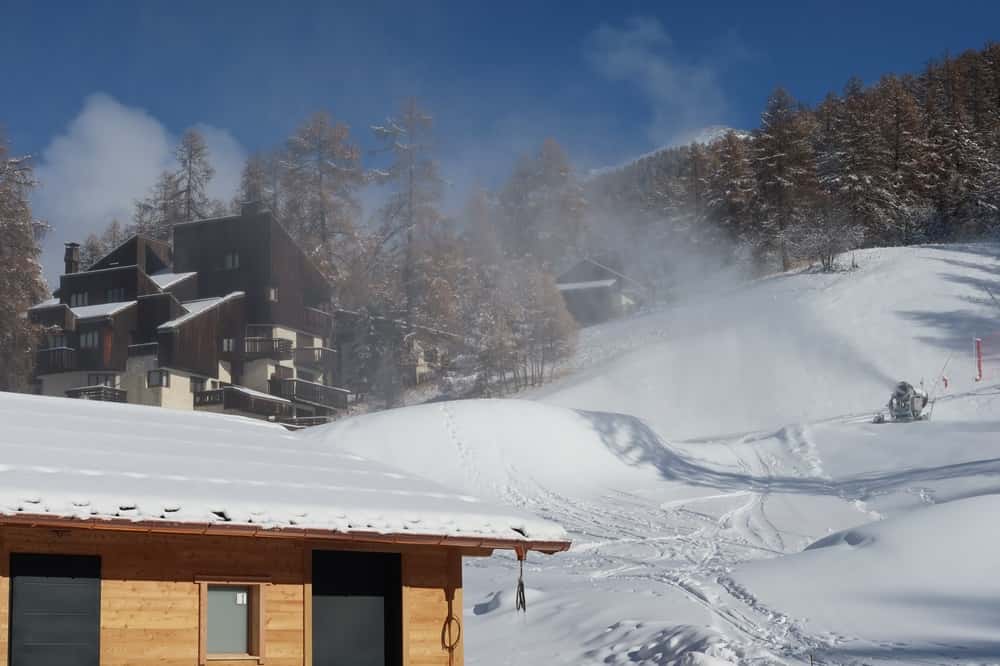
(690, 543)
(792, 348)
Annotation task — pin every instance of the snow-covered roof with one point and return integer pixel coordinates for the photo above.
(593, 284)
(89, 460)
(52, 302)
(165, 280)
(100, 310)
(258, 394)
(194, 308)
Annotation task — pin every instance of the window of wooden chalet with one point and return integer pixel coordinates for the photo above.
(228, 345)
(272, 294)
(116, 294)
(231, 619)
(231, 260)
(90, 339)
(78, 299)
(56, 340)
(158, 379)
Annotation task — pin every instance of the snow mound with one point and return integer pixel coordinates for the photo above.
(925, 579)
(511, 450)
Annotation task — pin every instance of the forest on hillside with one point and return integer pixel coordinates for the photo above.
(912, 158)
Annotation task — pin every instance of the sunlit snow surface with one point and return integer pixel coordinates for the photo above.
(810, 531)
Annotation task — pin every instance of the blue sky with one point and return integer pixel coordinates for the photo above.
(99, 91)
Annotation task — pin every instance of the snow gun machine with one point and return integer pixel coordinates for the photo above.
(907, 403)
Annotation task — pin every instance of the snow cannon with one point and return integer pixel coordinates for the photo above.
(907, 403)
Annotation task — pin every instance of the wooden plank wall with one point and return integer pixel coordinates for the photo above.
(149, 597)
(432, 592)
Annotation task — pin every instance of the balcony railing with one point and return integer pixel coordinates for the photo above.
(317, 357)
(144, 349)
(99, 392)
(300, 422)
(317, 321)
(276, 348)
(231, 397)
(55, 359)
(309, 392)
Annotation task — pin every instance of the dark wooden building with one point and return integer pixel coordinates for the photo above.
(184, 539)
(233, 317)
(596, 290)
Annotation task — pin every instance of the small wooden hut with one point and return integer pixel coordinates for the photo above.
(132, 535)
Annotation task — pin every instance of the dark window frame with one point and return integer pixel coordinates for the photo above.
(162, 381)
(90, 334)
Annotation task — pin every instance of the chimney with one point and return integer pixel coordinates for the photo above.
(72, 257)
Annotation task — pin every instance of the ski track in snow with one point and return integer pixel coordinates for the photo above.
(654, 575)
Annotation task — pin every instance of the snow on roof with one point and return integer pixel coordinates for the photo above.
(93, 460)
(593, 284)
(194, 308)
(165, 280)
(100, 310)
(258, 394)
(52, 302)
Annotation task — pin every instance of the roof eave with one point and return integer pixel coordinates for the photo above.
(471, 543)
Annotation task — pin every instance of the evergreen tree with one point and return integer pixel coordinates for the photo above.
(785, 170)
(321, 175)
(21, 280)
(855, 164)
(411, 215)
(192, 177)
(731, 190)
(543, 207)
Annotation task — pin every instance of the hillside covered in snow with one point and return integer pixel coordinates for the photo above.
(729, 499)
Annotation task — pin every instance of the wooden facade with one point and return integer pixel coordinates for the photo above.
(152, 605)
(255, 277)
(254, 254)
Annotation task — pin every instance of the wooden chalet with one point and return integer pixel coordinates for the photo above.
(231, 317)
(131, 535)
(596, 290)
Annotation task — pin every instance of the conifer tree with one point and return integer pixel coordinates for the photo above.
(321, 174)
(192, 177)
(785, 170)
(21, 280)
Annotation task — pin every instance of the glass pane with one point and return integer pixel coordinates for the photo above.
(353, 629)
(228, 619)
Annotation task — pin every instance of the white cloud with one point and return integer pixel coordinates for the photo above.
(109, 156)
(683, 96)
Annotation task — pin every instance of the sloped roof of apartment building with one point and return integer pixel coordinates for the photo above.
(76, 461)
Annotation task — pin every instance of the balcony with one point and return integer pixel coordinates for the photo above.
(277, 348)
(55, 359)
(317, 321)
(321, 358)
(100, 392)
(310, 393)
(144, 349)
(243, 400)
(300, 422)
